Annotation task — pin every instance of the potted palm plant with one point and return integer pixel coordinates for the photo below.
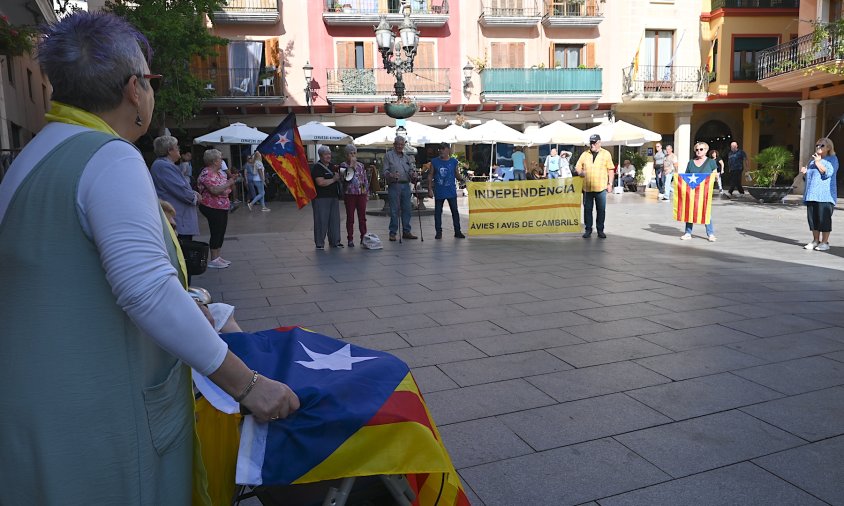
(773, 163)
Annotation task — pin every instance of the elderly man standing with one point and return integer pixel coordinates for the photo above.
(171, 186)
(596, 168)
(400, 172)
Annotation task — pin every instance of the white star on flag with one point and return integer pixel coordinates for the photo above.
(693, 178)
(282, 139)
(340, 360)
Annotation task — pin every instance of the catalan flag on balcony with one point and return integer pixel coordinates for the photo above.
(693, 197)
(284, 151)
(361, 414)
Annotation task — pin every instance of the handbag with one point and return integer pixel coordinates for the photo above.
(196, 256)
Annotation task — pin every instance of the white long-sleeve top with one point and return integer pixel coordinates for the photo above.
(119, 211)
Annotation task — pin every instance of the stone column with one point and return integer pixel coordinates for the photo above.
(808, 136)
(683, 136)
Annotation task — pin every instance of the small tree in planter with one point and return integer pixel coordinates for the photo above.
(773, 163)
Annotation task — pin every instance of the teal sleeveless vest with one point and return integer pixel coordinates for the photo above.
(92, 411)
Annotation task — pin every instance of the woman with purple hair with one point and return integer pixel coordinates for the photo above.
(99, 333)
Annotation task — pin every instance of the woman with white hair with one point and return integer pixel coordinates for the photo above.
(355, 195)
(326, 205)
(172, 187)
(99, 334)
(214, 189)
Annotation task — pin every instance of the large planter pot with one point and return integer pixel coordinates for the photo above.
(400, 110)
(768, 195)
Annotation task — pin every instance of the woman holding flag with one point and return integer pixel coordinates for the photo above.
(700, 164)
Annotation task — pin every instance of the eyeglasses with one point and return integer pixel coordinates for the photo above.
(700, 149)
(153, 79)
(820, 145)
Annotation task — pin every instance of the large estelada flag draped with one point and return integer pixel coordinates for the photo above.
(284, 151)
(693, 197)
(361, 414)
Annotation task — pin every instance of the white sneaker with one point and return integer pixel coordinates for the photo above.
(685, 237)
(824, 246)
(217, 264)
(659, 196)
(811, 245)
(712, 238)
(265, 209)
(223, 260)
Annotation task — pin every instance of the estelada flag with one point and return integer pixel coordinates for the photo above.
(284, 151)
(693, 197)
(361, 414)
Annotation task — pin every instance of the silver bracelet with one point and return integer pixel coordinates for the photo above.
(248, 387)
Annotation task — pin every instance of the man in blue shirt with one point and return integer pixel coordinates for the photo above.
(442, 186)
(519, 173)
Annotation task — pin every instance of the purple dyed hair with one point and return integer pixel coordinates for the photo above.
(88, 58)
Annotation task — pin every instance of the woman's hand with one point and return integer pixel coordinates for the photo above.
(270, 400)
(803, 170)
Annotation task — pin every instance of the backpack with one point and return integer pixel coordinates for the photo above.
(371, 241)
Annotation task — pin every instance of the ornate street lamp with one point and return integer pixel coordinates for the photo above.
(397, 55)
(309, 76)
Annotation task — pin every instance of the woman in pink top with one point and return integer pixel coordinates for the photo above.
(214, 189)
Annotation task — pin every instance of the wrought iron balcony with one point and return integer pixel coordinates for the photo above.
(665, 83)
(515, 84)
(572, 13)
(499, 13)
(248, 11)
(368, 12)
(373, 85)
(240, 84)
(755, 4)
(801, 53)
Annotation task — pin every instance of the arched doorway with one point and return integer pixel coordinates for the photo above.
(717, 134)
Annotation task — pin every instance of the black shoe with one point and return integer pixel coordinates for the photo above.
(392, 237)
(320, 247)
(459, 235)
(338, 245)
(587, 235)
(439, 235)
(602, 235)
(351, 244)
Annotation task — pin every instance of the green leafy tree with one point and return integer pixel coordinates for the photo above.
(176, 30)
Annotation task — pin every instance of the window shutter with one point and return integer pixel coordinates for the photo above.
(368, 55)
(551, 51)
(589, 59)
(345, 55)
(516, 55)
(499, 56)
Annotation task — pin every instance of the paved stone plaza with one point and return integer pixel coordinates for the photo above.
(639, 369)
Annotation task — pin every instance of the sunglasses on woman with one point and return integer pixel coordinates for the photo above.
(820, 146)
(700, 149)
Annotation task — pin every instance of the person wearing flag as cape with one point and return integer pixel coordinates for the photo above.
(686, 193)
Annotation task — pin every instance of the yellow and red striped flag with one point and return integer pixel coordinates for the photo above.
(284, 151)
(693, 197)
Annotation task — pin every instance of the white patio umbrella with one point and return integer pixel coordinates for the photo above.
(417, 134)
(236, 133)
(620, 133)
(557, 132)
(315, 132)
(455, 134)
(493, 132)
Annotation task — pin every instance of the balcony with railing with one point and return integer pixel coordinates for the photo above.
(799, 63)
(346, 85)
(240, 85)
(248, 11)
(503, 13)
(369, 12)
(563, 13)
(664, 83)
(755, 4)
(540, 84)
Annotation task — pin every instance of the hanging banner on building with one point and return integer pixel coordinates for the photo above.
(546, 206)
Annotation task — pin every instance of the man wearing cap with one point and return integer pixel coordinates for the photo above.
(399, 171)
(596, 168)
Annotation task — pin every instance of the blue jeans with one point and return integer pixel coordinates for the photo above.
(438, 214)
(599, 199)
(257, 188)
(709, 229)
(399, 194)
(519, 175)
(553, 174)
(669, 178)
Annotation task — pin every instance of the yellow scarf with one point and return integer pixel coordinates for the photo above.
(64, 113)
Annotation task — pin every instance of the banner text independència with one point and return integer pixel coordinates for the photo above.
(507, 193)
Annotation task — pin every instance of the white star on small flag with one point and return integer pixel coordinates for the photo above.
(340, 360)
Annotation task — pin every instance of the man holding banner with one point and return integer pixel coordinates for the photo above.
(693, 192)
(596, 168)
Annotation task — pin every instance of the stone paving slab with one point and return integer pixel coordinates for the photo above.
(700, 444)
(538, 322)
(432, 379)
(482, 441)
(612, 330)
(703, 396)
(489, 399)
(563, 476)
(817, 468)
(812, 416)
(572, 422)
(555, 305)
(503, 367)
(639, 309)
(524, 341)
(605, 352)
(839, 356)
(433, 354)
(695, 318)
(383, 342)
(738, 485)
(697, 337)
(775, 325)
(699, 362)
(787, 347)
(597, 380)
(797, 376)
(377, 326)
